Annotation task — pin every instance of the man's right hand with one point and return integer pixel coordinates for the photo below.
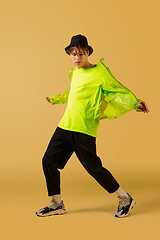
(143, 107)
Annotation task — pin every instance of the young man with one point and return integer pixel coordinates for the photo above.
(94, 94)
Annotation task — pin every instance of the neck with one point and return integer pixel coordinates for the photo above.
(87, 65)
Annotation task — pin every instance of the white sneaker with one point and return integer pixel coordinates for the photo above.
(51, 209)
(125, 206)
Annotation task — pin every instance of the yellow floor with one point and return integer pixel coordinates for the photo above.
(90, 210)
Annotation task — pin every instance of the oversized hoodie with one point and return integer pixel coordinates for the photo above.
(94, 94)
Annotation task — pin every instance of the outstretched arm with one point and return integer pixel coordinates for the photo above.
(59, 99)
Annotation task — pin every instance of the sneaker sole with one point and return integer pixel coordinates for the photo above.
(132, 205)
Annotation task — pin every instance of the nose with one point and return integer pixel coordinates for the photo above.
(77, 56)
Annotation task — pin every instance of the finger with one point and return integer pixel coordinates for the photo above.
(145, 107)
(142, 107)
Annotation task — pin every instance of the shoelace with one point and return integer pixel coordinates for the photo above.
(51, 205)
(123, 202)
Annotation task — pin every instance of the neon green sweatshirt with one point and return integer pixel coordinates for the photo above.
(94, 94)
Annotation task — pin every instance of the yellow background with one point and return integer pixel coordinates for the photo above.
(33, 65)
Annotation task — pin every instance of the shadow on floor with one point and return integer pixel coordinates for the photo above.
(145, 204)
(92, 210)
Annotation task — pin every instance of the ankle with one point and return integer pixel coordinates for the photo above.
(56, 198)
(121, 193)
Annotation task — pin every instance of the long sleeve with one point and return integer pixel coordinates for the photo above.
(60, 99)
(117, 99)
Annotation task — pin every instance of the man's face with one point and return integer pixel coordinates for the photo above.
(79, 58)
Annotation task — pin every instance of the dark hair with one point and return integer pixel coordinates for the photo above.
(84, 49)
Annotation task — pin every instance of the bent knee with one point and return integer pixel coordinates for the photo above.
(52, 162)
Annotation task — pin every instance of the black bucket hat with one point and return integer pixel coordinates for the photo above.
(79, 40)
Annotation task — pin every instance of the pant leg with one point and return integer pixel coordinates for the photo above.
(85, 149)
(56, 156)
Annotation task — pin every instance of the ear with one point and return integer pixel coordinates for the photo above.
(87, 53)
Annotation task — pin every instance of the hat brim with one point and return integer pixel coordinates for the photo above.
(89, 48)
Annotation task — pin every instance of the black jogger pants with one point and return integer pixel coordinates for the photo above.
(62, 144)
